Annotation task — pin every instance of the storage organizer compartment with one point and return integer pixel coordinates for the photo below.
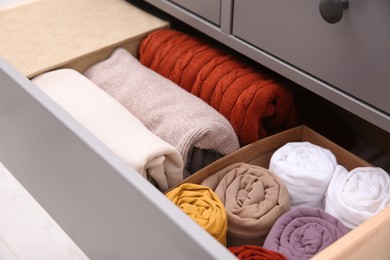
(365, 241)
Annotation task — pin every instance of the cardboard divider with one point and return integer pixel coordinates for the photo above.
(260, 152)
(357, 242)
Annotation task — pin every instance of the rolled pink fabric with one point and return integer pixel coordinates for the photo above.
(303, 232)
(254, 199)
(170, 112)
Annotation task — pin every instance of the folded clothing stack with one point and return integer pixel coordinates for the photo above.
(123, 133)
(255, 103)
(254, 199)
(173, 114)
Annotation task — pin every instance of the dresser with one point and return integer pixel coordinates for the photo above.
(101, 203)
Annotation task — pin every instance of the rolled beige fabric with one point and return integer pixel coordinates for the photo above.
(170, 112)
(254, 199)
(116, 127)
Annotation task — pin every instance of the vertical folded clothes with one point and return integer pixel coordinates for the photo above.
(173, 114)
(254, 199)
(306, 169)
(358, 195)
(303, 232)
(203, 206)
(250, 252)
(109, 121)
(255, 103)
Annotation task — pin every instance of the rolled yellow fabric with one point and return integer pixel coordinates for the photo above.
(203, 206)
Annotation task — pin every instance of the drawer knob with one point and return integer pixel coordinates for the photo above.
(332, 10)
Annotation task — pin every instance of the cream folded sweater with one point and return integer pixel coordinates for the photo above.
(109, 121)
(170, 112)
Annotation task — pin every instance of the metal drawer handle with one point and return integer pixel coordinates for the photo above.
(332, 10)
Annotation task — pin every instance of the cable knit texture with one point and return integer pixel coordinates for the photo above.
(355, 196)
(254, 102)
(103, 116)
(254, 199)
(173, 114)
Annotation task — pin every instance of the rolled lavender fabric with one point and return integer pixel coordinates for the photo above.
(357, 195)
(170, 112)
(306, 169)
(124, 134)
(303, 232)
(254, 199)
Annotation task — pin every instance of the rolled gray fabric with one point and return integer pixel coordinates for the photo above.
(173, 114)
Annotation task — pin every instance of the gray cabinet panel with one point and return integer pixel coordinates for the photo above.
(208, 9)
(352, 55)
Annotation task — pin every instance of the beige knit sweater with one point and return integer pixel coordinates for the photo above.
(109, 121)
(175, 115)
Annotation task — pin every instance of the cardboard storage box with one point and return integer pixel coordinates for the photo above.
(370, 240)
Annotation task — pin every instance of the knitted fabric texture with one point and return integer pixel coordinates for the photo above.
(254, 199)
(251, 252)
(173, 114)
(203, 206)
(303, 232)
(109, 121)
(254, 102)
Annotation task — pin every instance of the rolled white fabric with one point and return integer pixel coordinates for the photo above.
(116, 127)
(306, 169)
(358, 195)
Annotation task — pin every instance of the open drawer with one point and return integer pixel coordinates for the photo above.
(100, 201)
(103, 204)
(97, 199)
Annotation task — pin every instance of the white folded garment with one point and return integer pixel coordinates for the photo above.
(116, 127)
(306, 169)
(358, 195)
